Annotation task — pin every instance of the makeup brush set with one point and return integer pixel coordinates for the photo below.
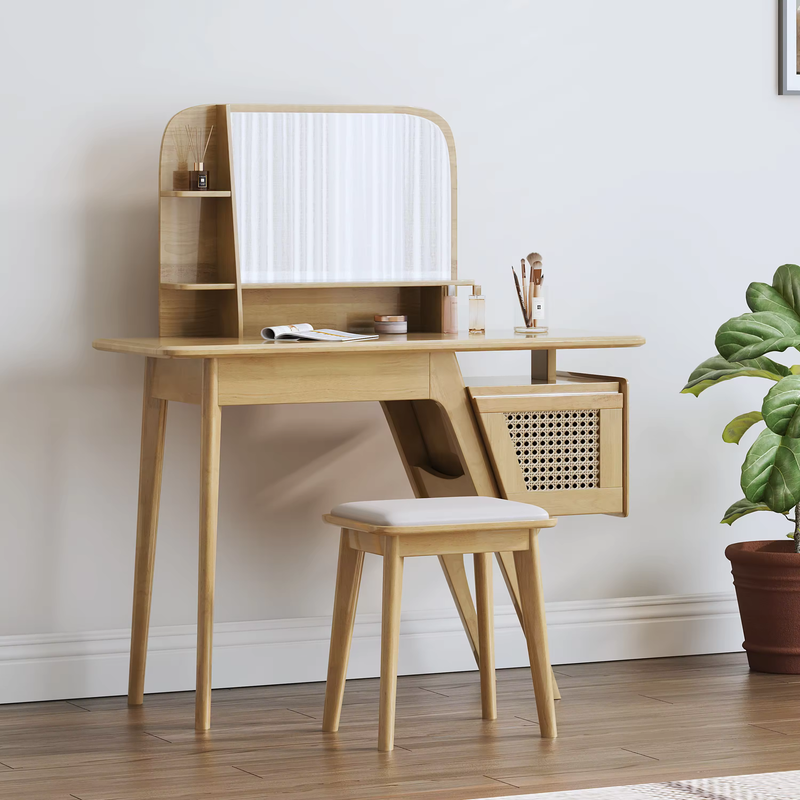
(529, 290)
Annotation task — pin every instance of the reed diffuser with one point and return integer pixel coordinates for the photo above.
(198, 177)
(530, 293)
(180, 176)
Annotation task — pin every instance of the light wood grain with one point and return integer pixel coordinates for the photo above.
(341, 377)
(197, 287)
(209, 500)
(414, 448)
(338, 307)
(179, 380)
(611, 448)
(527, 563)
(573, 502)
(624, 723)
(552, 401)
(507, 569)
(198, 195)
(484, 602)
(151, 460)
(390, 641)
(396, 544)
(218, 347)
(543, 366)
(348, 580)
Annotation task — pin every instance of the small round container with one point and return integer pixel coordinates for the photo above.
(386, 323)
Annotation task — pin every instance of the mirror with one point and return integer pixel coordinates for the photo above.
(341, 197)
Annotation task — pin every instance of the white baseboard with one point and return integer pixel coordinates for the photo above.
(95, 664)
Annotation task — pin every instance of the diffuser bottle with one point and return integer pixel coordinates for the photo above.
(450, 311)
(199, 177)
(477, 311)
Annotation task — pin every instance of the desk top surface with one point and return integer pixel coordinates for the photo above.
(462, 342)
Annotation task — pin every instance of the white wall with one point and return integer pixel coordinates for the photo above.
(641, 147)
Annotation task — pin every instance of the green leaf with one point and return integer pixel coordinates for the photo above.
(795, 370)
(771, 471)
(716, 369)
(740, 509)
(736, 428)
(781, 407)
(754, 335)
(786, 281)
(762, 297)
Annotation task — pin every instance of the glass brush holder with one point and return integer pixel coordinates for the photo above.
(538, 314)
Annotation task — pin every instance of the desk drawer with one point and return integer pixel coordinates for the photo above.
(560, 446)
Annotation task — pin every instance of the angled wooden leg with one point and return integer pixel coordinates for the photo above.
(209, 499)
(151, 459)
(509, 572)
(456, 576)
(532, 603)
(390, 639)
(485, 604)
(348, 580)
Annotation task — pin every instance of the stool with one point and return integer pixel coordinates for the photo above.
(437, 526)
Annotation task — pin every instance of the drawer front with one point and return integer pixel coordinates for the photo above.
(563, 451)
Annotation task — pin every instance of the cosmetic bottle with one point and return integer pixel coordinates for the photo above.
(477, 311)
(450, 311)
(198, 177)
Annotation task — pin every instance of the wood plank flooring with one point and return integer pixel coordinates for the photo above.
(619, 723)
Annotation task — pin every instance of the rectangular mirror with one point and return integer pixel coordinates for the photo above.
(341, 197)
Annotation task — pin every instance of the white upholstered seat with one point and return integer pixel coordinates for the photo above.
(438, 511)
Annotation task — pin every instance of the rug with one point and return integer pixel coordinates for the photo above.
(770, 786)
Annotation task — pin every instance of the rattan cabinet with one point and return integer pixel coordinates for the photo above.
(561, 446)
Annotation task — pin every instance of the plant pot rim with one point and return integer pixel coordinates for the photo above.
(772, 552)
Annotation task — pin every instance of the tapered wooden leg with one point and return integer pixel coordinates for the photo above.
(456, 576)
(209, 500)
(485, 606)
(151, 459)
(535, 624)
(390, 639)
(348, 580)
(509, 573)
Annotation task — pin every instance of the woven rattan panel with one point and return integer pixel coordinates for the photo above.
(557, 450)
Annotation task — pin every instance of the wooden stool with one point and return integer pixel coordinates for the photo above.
(438, 526)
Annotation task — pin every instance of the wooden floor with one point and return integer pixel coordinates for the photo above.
(619, 723)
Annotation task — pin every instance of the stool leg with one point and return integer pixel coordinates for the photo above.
(484, 602)
(348, 581)
(509, 572)
(390, 639)
(532, 604)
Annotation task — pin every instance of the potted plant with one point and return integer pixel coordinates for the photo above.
(766, 574)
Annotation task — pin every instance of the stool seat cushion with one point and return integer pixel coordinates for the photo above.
(438, 511)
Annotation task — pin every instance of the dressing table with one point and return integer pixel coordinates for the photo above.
(349, 188)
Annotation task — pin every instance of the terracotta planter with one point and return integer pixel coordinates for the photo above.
(767, 580)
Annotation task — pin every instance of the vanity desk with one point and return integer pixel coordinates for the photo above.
(557, 440)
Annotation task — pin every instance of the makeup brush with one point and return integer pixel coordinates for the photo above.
(519, 295)
(525, 290)
(533, 257)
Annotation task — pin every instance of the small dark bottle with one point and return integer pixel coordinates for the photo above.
(198, 177)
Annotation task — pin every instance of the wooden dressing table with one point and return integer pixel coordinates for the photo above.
(453, 440)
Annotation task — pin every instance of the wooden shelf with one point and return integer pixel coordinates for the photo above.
(201, 194)
(355, 284)
(197, 287)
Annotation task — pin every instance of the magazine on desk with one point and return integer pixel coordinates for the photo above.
(305, 332)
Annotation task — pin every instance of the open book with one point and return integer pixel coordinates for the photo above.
(306, 332)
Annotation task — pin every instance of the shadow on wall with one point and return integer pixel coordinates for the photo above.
(70, 426)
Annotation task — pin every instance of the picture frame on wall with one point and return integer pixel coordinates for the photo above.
(789, 25)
